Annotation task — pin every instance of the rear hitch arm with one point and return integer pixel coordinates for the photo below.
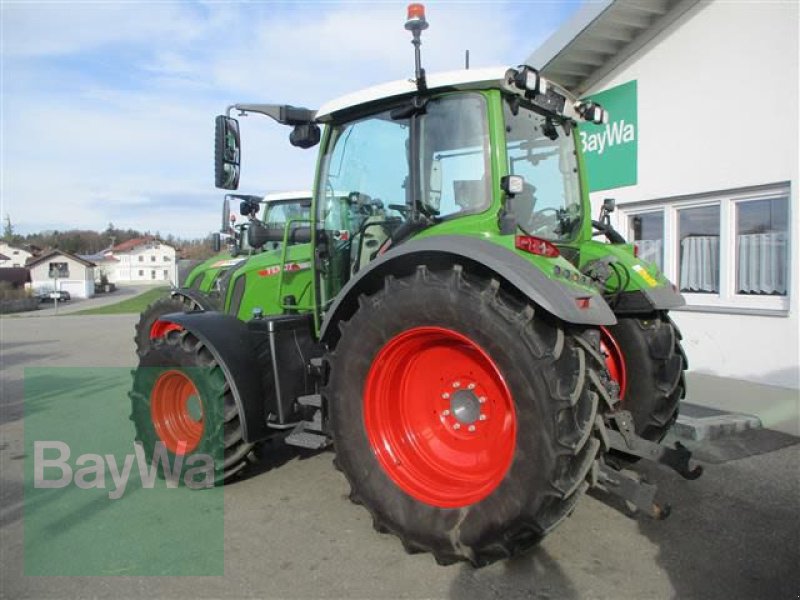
(625, 440)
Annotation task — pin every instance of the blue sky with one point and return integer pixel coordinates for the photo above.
(108, 107)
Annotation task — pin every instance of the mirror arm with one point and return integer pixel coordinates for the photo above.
(284, 114)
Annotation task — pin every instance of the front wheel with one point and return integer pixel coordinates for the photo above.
(183, 409)
(644, 356)
(462, 419)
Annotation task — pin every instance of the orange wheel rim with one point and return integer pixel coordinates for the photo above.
(177, 412)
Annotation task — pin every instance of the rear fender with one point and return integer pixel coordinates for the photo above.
(439, 252)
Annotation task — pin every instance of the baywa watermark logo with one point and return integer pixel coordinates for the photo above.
(52, 468)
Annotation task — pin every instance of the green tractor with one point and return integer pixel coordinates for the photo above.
(205, 287)
(446, 320)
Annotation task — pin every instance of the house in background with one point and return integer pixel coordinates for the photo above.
(139, 260)
(13, 256)
(59, 270)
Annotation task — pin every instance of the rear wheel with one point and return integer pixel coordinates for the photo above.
(645, 358)
(182, 399)
(462, 420)
(150, 328)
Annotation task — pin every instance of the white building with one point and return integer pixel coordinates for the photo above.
(58, 270)
(701, 155)
(13, 256)
(138, 260)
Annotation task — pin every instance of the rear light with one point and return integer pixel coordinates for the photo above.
(636, 250)
(535, 245)
(583, 303)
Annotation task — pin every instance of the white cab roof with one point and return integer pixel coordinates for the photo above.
(300, 195)
(489, 77)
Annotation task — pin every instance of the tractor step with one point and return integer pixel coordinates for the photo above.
(313, 400)
(309, 434)
(307, 439)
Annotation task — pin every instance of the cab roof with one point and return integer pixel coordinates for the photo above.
(498, 77)
(485, 78)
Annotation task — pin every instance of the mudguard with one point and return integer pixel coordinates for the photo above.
(203, 300)
(233, 346)
(554, 297)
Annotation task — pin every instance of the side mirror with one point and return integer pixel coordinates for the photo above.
(226, 213)
(227, 153)
(216, 242)
(609, 204)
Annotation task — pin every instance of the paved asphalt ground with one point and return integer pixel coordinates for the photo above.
(290, 532)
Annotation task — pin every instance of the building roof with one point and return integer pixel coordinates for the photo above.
(131, 244)
(57, 252)
(600, 36)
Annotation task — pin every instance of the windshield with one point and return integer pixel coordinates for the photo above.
(542, 151)
(279, 213)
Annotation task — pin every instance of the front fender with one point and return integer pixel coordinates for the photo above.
(231, 343)
(559, 299)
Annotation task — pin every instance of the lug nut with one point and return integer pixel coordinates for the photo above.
(482, 399)
(471, 427)
(457, 426)
(482, 418)
(445, 412)
(456, 384)
(471, 386)
(445, 395)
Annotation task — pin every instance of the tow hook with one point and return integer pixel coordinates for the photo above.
(628, 485)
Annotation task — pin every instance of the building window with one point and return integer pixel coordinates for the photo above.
(647, 234)
(725, 250)
(762, 246)
(166, 274)
(153, 258)
(152, 274)
(141, 258)
(58, 269)
(166, 259)
(698, 232)
(141, 273)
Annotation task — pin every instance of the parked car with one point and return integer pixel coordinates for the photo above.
(49, 295)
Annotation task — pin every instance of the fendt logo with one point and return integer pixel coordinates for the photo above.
(93, 467)
(613, 134)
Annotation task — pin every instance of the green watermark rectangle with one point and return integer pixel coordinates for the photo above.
(95, 502)
(610, 151)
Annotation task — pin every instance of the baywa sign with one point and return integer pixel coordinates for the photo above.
(610, 151)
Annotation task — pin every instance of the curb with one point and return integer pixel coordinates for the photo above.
(698, 423)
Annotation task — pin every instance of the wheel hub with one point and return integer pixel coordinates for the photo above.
(464, 406)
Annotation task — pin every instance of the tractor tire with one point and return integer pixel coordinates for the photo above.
(644, 355)
(181, 398)
(146, 328)
(463, 421)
